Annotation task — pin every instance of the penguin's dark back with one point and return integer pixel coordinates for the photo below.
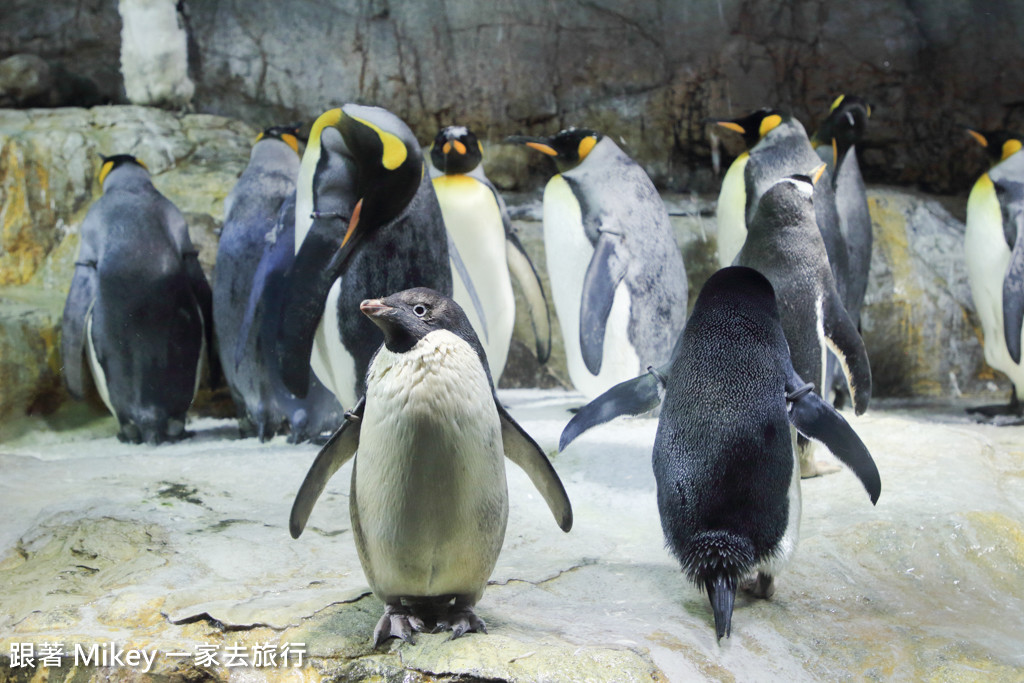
(723, 446)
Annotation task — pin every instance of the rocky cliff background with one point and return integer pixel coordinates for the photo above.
(648, 73)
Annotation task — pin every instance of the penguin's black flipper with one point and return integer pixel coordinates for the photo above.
(521, 449)
(317, 265)
(204, 298)
(1011, 199)
(845, 342)
(335, 453)
(632, 397)
(816, 419)
(604, 273)
(522, 268)
(80, 297)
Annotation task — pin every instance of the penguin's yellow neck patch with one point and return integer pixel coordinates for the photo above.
(395, 152)
(981, 139)
(586, 144)
(105, 170)
(768, 124)
(1010, 147)
(328, 118)
(816, 173)
(838, 101)
(291, 141)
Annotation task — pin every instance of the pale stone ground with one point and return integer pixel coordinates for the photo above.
(179, 546)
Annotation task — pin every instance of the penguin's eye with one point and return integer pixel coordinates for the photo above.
(420, 310)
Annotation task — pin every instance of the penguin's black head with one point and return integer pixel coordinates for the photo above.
(845, 125)
(998, 144)
(738, 288)
(456, 150)
(753, 126)
(373, 165)
(568, 147)
(290, 135)
(112, 162)
(789, 202)
(412, 314)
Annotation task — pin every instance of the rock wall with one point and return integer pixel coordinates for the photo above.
(649, 71)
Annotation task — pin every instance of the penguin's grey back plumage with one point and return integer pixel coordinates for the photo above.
(786, 151)
(615, 189)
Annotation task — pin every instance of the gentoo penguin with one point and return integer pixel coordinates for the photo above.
(139, 307)
(366, 221)
(995, 261)
(835, 141)
(428, 499)
(778, 147)
(617, 276)
(727, 482)
(478, 224)
(251, 252)
(784, 244)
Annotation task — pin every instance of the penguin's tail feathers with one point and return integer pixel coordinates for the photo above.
(716, 560)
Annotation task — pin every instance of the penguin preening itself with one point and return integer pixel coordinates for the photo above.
(835, 141)
(139, 307)
(428, 498)
(728, 485)
(777, 146)
(994, 248)
(784, 244)
(478, 224)
(256, 247)
(617, 276)
(366, 221)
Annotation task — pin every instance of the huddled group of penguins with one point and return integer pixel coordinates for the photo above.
(390, 278)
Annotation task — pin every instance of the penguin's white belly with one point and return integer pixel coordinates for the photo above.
(988, 257)
(473, 220)
(568, 256)
(731, 212)
(332, 363)
(430, 477)
(98, 375)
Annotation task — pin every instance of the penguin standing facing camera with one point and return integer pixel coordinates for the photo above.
(994, 247)
(784, 244)
(778, 146)
(428, 499)
(139, 307)
(478, 224)
(617, 276)
(366, 221)
(246, 283)
(728, 485)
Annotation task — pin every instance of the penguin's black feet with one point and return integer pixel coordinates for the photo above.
(761, 586)
(461, 620)
(397, 622)
(1000, 415)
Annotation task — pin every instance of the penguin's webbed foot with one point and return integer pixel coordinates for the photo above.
(761, 586)
(396, 622)
(1000, 415)
(461, 620)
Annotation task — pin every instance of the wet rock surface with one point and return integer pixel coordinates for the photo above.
(183, 547)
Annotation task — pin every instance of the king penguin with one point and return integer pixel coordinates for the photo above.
(778, 146)
(428, 498)
(478, 224)
(784, 244)
(366, 221)
(728, 486)
(617, 276)
(835, 141)
(139, 307)
(255, 220)
(994, 247)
